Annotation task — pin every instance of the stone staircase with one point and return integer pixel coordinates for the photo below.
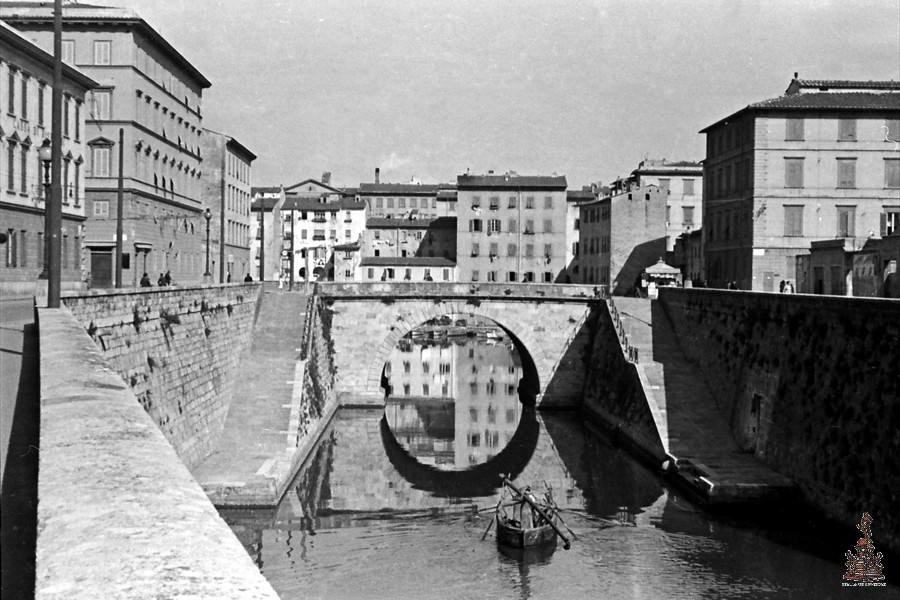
(257, 428)
(695, 432)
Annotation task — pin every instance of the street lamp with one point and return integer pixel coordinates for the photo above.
(207, 214)
(45, 153)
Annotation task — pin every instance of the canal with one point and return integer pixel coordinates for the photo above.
(394, 502)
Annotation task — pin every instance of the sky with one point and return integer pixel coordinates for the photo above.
(429, 89)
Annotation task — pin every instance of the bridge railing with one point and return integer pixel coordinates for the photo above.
(435, 289)
(631, 353)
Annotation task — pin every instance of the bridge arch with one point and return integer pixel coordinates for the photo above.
(535, 371)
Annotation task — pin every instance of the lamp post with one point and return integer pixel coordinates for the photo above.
(207, 214)
(45, 153)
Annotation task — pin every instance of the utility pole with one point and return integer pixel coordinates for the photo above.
(53, 205)
(119, 204)
(262, 240)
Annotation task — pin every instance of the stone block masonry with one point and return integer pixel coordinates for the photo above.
(178, 349)
(119, 515)
(811, 385)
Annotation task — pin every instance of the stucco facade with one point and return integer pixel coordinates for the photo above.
(26, 75)
(683, 180)
(621, 235)
(153, 94)
(266, 235)
(818, 163)
(227, 193)
(512, 228)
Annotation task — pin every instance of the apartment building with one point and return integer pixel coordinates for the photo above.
(819, 162)
(399, 200)
(26, 76)
(227, 193)
(511, 228)
(683, 182)
(621, 235)
(266, 232)
(311, 227)
(401, 238)
(151, 93)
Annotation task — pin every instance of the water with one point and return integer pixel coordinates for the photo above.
(393, 503)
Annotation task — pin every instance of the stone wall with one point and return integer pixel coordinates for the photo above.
(812, 386)
(614, 396)
(119, 515)
(549, 334)
(178, 349)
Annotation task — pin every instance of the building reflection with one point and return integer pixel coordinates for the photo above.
(453, 392)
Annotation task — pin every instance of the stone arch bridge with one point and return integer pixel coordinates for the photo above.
(547, 323)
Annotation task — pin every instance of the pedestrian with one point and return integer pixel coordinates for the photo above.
(788, 288)
(781, 287)
(281, 281)
(168, 278)
(145, 281)
(228, 279)
(161, 282)
(248, 278)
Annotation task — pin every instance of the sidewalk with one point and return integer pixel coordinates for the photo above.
(256, 434)
(709, 461)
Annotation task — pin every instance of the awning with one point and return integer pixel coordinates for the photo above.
(143, 246)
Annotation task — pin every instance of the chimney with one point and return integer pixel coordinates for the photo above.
(326, 177)
(377, 175)
(796, 75)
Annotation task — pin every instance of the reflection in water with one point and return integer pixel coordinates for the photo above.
(394, 506)
(453, 392)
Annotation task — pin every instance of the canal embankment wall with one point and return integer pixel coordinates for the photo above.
(615, 392)
(811, 385)
(119, 514)
(178, 350)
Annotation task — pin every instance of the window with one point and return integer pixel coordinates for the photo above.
(793, 221)
(492, 276)
(548, 225)
(475, 275)
(511, 277)
(512, 202)
(529, 250)
(847, 130)
(494, 226)
(529, 202)
(664, 185)
(512, 226)
(846, 173)
(390, 203)
(65, 111)
(687, 218)
(24, 114)
(890, 221)
(511, 250)
(379, 202)
(495, 202)
(688, 187)
(401, 202)
(101, 208)
(102, 52)
(68, 51)
(793, 172)
(893, 130)
(793, 130)
(529, 226)
(892, 173)
(370, 273)
(474, 224)
(77, 120)
(476, 202)
(100, 161)
(548, 201)
(846, 221)
(495, 249)
(102, 104)
(11, 86)
(548, 277)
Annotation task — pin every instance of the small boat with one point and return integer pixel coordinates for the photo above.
(524, 521)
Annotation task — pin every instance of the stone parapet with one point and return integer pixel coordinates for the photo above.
(119, 515)
(451, 290)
